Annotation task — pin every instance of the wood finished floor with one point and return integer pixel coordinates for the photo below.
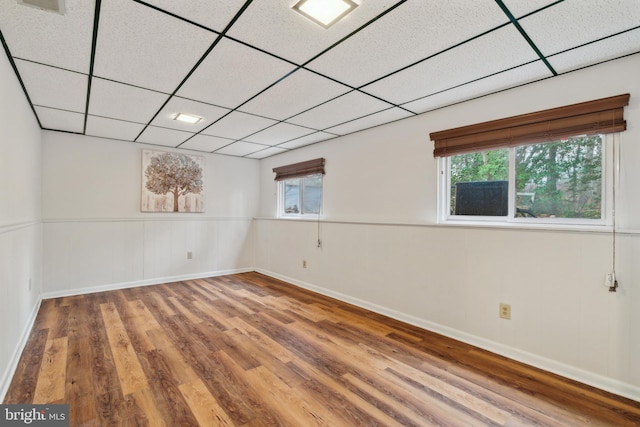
(249, 350)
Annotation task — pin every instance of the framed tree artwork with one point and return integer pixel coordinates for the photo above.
(172, 182)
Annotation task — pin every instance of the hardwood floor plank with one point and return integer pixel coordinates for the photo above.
(161, 304)
(130, 373)
(144, 319)
(46, 318)
(251, 350)
(359, 411)
(225, 342)
(236, 395)
(79, 388)
(204, 406)
(52, 377)
(396, 409)
(293, 406)
(141, 410)
(107, 392)
(185, 311)
(164, 387)
(265, 342)
(25, 379)
(216, 322)
(178, 366)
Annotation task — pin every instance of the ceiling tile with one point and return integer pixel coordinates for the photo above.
(375, 119)
(612, 47)
(60, 120)
(272, 25)
(507, 79)
(307, 140)
(347, 107)
(206, 143)
(520, 8)
(240, 148)
(134, 42)
(114, 129)
(237, 125)
(232, 73)
(213, 15)
(564, 25)
(48, 37)
(53, 87)
(271, 151)
(497, 51)
(118, 101)
(208, 112)
(410, 33)
(163, 136)
(298, 92)
(279, 133)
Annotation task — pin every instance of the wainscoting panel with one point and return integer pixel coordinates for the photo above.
(87, 254)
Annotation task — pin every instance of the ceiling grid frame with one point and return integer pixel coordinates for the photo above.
(583, 52)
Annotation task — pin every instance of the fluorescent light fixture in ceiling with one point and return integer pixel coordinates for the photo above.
(187, 118)
(324, 12)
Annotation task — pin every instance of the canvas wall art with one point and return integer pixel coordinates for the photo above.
(172, 182)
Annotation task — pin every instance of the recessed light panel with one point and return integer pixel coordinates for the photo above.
(187, 118)
(325, 12)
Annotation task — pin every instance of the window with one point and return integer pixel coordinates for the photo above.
(302, 196)
(556, 180)
(300, 188)
(546, 166)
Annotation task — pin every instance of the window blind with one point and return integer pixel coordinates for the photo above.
(604, 115)
(294, 170)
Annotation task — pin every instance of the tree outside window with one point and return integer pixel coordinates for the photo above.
(560, 179)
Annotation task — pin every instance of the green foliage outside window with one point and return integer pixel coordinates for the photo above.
(560, 179)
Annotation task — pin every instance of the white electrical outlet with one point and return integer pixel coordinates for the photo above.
(609, 280)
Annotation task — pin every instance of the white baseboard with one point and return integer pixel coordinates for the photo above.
(586, 377)
(7, 376)
(136, 283)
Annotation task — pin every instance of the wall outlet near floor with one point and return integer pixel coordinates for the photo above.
(505, 311)
(304, 263)
(189, 255)
(29, 283)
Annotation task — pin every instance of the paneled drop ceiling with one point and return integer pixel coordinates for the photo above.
(266, 80)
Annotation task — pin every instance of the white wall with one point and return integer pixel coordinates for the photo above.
(382, 247)
(95, 236)
(20, 228)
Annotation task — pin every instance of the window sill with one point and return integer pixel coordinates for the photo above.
(526, 225)
(300, 217)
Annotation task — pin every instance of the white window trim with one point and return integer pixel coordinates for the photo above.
(608, 181)
(280, 201)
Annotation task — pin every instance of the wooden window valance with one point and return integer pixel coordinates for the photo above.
(294, 170)
(587, 118)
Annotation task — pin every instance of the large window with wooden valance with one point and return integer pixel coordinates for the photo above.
(546, 166)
